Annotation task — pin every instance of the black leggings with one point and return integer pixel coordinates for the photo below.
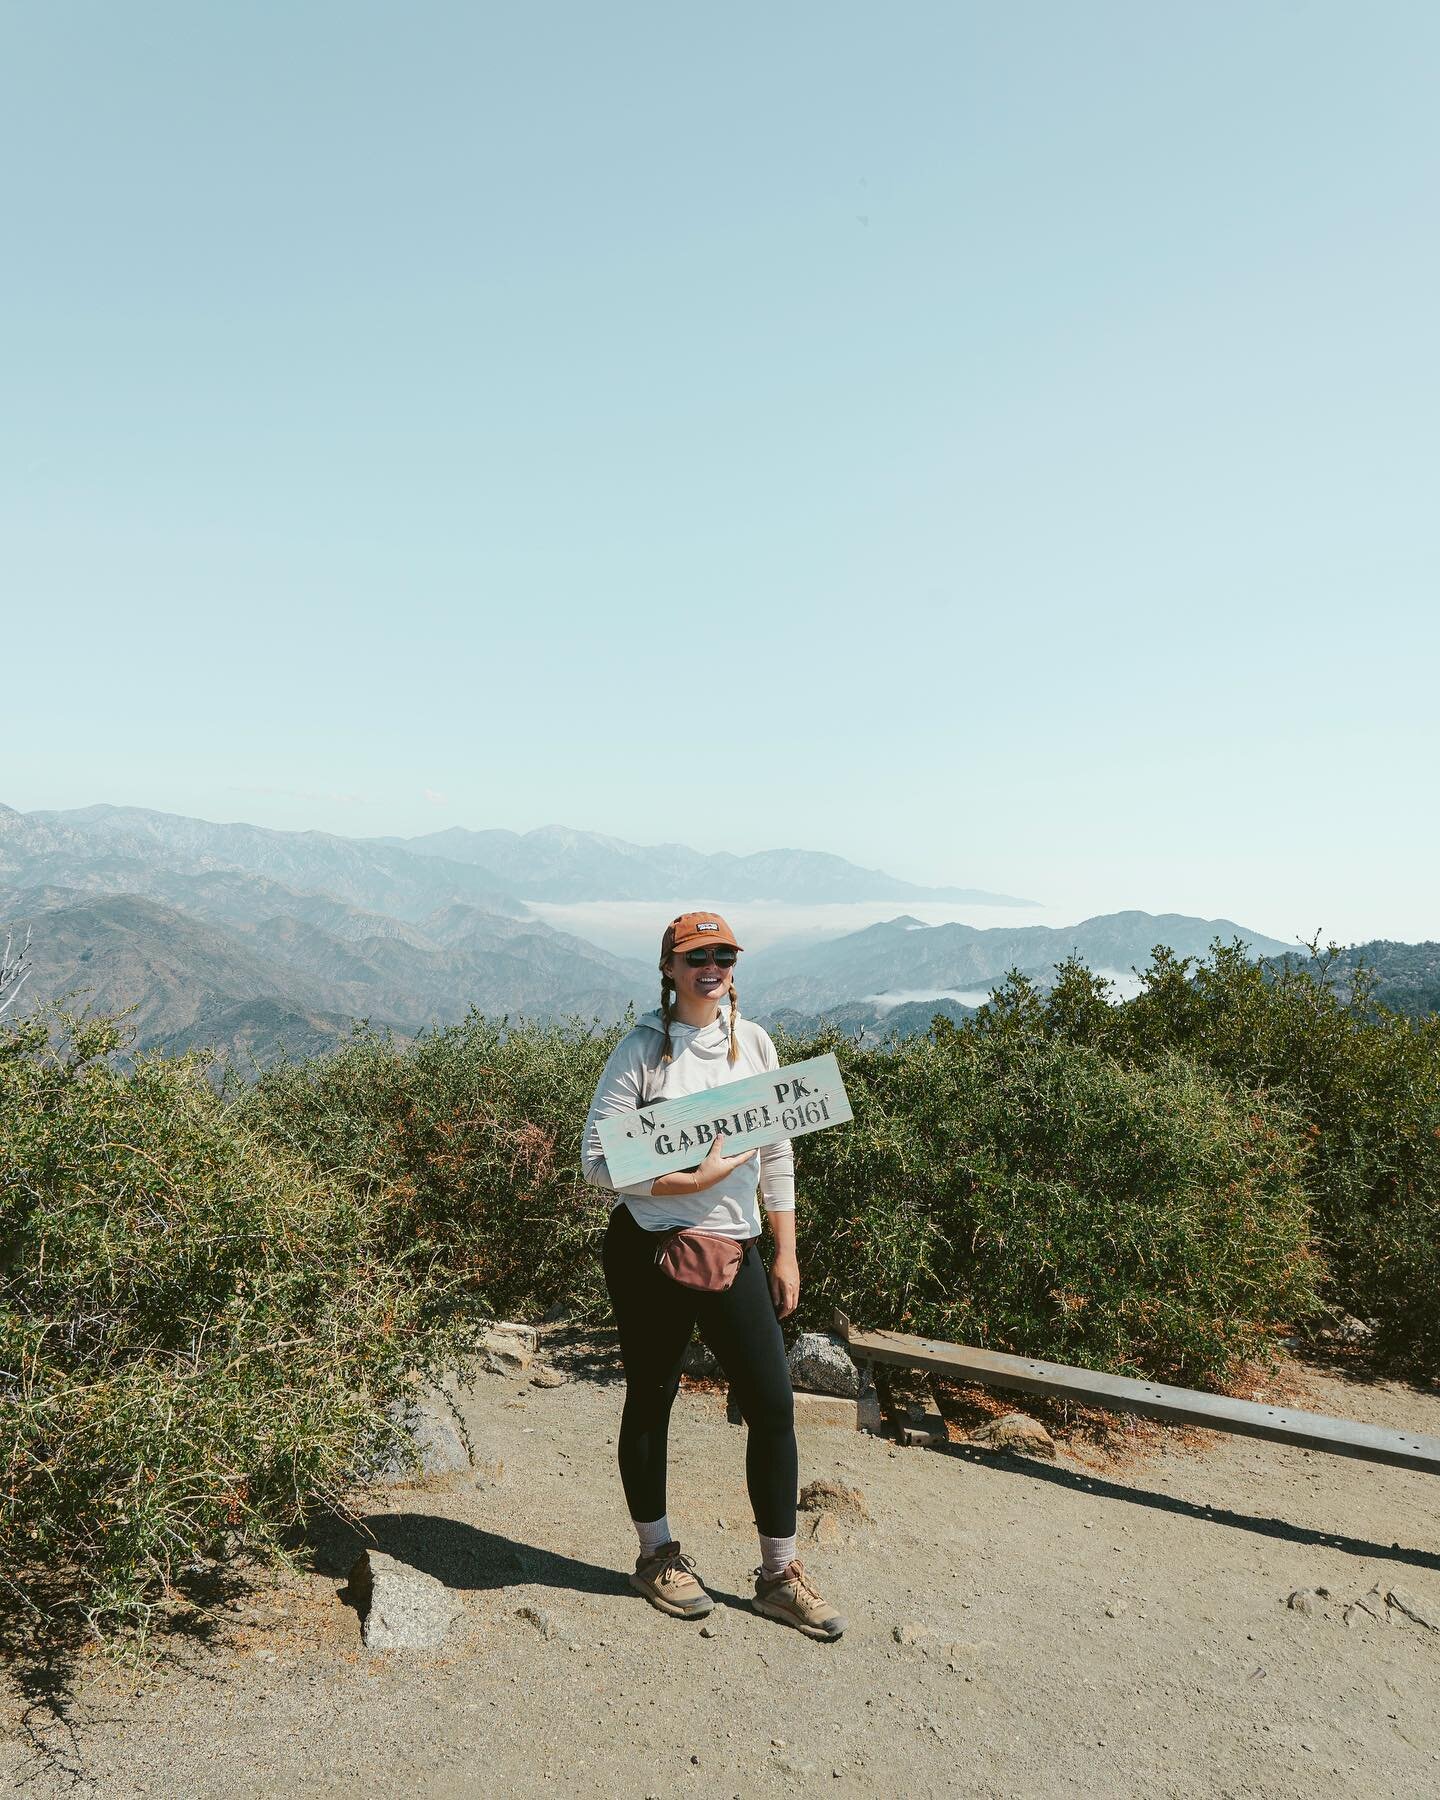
(656, 1318)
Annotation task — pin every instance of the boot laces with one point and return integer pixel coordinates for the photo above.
(794, 1576)
(805, 1588)
(676, 1566)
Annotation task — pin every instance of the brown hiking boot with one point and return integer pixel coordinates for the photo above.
(791, 1597)
(668, 1580)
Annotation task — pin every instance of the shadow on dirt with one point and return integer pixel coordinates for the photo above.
(1257, 1523)
(462, 1556)
(584, 1353)
(44, 1636)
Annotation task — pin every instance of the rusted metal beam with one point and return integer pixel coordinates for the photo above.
(1151, 1399)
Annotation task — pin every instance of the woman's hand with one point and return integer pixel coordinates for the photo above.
(717, 1165)
(785, 1283)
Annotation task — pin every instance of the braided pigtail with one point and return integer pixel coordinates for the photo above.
(667, 992)
(734, 1016)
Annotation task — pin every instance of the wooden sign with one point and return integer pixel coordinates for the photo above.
(748, 1114)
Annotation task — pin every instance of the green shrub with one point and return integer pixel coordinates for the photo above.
(1362, 1082)
(1027, 1194)
(465, 1147)
(198, 1335)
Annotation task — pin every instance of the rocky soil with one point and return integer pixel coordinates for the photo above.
(1117, 1625)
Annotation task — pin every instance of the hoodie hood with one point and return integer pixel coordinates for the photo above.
(703, 1040)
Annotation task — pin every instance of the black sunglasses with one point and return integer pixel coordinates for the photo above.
(723, 956)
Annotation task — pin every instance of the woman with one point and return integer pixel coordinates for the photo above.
(682, 1048)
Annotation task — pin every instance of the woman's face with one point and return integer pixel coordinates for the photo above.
(708, 983)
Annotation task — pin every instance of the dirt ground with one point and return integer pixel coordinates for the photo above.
(1106, 1626)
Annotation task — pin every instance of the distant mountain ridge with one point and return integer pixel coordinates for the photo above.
(118, 849)
(556, 863)
(905, 956)
(409, 877)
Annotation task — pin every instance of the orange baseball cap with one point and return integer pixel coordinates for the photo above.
(694, 928)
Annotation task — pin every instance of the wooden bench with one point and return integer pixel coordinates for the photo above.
(1151, 1399)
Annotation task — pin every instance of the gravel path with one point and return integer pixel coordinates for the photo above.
(1116, 1628)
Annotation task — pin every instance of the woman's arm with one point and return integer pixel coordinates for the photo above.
(777, 1190)
(715, 1167)
(785, 1265)
(620, 1090)
(617, 1091)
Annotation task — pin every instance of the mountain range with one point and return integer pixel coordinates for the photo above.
(409, 877)
(558, 864)
(904, 956)
(248, 939)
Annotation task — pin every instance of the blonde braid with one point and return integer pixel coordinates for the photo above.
(666, 989)
(734, 1015)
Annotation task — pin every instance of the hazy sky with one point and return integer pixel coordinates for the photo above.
(998, 443)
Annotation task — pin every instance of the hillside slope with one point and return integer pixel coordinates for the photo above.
(245, 988)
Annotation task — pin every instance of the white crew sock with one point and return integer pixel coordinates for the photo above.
(776, 1554)
(654, 1535)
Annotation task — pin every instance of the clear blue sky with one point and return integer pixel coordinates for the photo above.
(994, 442)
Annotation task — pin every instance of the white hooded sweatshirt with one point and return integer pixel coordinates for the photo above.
(634, 1076)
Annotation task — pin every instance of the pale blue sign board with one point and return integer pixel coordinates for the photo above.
(748, 1114)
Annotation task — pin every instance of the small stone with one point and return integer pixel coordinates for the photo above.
(695, 1762)
(1016, 1432)
(1412, 1609)
(538, 1617)
(428, 1422)
(792, 1765)
(401, 1608)
(508, 1349)
(1375, 1605)
(711, 1628)
(1305, 1600)
(820, 1363)
(909, 1633)
(824, 1409)
(826, 1532)
(548, 1377)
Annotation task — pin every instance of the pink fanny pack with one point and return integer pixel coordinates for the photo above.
(702, 1260)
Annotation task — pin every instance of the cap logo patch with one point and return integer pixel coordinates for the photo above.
(706, 925)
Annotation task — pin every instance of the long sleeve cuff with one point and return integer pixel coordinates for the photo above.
(597, 1174)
